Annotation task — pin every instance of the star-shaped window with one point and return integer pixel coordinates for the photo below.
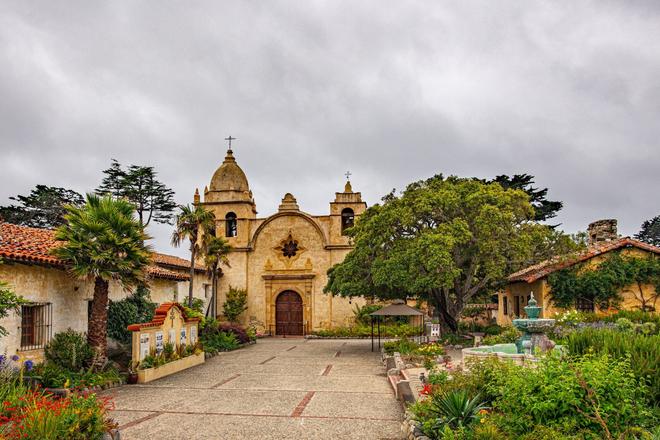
(290, 248)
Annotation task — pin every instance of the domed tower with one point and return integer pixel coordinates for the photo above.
(230, 199)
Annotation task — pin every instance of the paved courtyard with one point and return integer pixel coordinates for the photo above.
(276, 389)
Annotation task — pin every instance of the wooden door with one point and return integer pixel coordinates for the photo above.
(289, 314)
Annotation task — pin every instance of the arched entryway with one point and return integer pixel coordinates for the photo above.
(288, 314)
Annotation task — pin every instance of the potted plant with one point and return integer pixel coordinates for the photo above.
(132, 378)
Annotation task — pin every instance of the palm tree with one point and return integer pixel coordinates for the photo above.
(194, 224)
(103, 241)
(216, 253)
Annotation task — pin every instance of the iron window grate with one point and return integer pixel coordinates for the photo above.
(36, 325)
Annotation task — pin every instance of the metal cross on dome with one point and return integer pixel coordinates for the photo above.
(230, 138)
(348, 175)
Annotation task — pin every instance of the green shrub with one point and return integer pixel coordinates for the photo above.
(136, 308)
(571, 396)
(362, 314)
(69, 350)
(636, 316)
(509, 335)
(402, 346)
(363, 331)
(235, 304)
(624, 324)
(198, 305)
(33, 415)
(455, 408)
(51, 375)
(644, 351)
(221, 341)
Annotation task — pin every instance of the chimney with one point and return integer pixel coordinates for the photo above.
(602, 231)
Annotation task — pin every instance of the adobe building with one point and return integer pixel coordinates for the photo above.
(281, 260)
(603, 240)
(57, 300)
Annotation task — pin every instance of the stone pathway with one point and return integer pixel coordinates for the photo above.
(277, 389)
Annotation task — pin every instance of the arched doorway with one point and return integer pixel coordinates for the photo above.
(288, 314)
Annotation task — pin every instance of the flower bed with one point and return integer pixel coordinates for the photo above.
(29, 413)
(585, 397)
(150, 374)
(364, 331)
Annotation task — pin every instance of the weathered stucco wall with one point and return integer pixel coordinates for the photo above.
(631, 295)
(69, 298)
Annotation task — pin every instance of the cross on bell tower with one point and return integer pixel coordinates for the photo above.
(348, 175)
(230, 138)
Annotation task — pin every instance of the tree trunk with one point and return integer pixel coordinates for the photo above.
(441, 301)
(97, 328)
(192, 275)
(214, 295)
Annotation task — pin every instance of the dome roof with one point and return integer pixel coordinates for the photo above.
(229, 177)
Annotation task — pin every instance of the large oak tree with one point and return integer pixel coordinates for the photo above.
(444, 240)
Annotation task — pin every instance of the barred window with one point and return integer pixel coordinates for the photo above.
(584, 305)
(36, 325)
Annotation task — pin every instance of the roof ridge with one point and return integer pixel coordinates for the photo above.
(546, 267)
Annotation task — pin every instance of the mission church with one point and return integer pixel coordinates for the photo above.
(281, 260)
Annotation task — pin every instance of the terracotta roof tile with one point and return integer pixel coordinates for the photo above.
(33, 245)
(173, 261)
(160, 315)
(545, 268)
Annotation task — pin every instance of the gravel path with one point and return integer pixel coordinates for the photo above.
(277, 389)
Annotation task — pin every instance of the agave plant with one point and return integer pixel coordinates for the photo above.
(456, 408)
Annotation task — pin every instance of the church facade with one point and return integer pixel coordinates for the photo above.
(281, 260)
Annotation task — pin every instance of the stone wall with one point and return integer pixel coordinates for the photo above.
(264, 272)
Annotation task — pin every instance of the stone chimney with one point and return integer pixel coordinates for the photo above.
(602, 231)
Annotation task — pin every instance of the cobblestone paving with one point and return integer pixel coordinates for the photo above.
(277, 389)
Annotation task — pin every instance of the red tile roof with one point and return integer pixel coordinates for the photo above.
(160, 315)
(177, 262)
(33, 245)
(545, 268)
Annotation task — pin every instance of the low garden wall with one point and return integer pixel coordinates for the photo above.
(149, 374)
(165, 345)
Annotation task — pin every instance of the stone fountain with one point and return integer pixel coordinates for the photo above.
(533, 329)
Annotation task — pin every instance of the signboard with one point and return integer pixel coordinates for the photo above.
(172, 337)
(159, 342)
(193, 334)
(183, 339)
(144, 345)
(435, 329)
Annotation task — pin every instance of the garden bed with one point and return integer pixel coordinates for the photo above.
(151, 374)
(209, 355)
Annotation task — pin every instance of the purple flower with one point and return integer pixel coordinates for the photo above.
(28, 365)
(15, 358)
(3, 359)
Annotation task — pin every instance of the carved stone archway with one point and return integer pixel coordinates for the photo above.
(301, 284)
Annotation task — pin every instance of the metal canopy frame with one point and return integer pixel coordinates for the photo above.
(397, 308)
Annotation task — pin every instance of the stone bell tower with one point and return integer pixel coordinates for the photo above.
(229, 197)
(346, 207)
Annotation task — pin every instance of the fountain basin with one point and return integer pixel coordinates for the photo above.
(507, 352)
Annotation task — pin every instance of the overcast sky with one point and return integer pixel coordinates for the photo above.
(392, 91)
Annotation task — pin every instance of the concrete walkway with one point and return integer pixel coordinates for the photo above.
(276, 389)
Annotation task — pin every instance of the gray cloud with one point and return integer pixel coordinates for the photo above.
(394, 92)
